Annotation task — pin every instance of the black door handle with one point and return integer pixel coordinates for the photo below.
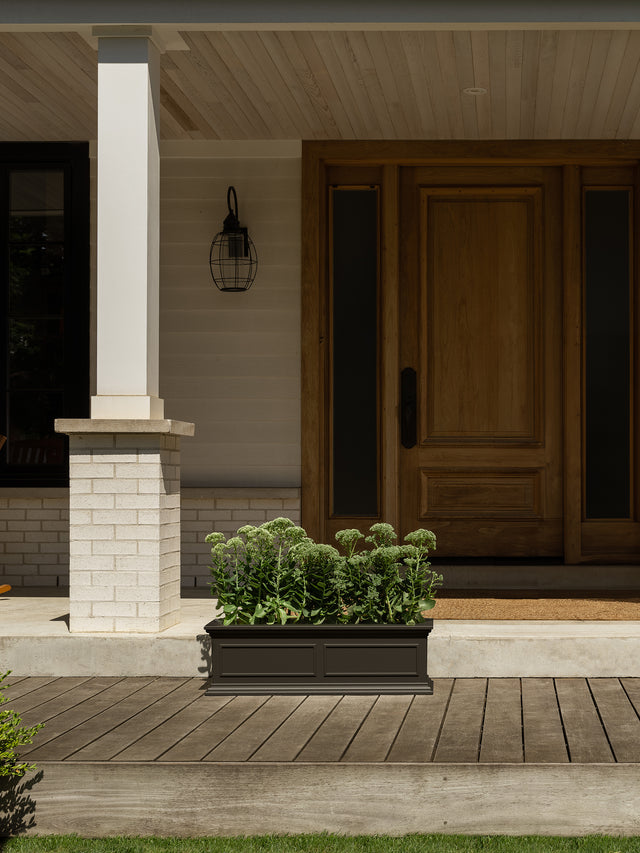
(408, 407)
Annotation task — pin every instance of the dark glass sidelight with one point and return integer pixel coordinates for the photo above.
(44, 291)
(354, 324)
(607, 353)
(35, 317)
(31, 439)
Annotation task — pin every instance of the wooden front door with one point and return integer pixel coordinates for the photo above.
(480, 343)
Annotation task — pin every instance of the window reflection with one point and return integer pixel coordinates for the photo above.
(35, 363)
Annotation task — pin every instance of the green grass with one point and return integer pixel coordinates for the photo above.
(327, 844)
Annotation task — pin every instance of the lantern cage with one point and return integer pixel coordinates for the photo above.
(232, 259)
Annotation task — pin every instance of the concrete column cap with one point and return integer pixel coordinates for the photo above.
(87, 426)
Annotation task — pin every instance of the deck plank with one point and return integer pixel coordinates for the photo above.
(37, 698)
(93, 718)
(113, 717)
(12, 681)
(248, 737)
(71, 698)
(179, 693)
(62, 723)
(632, 689)
(461, 729)
(202, 799)
(169, 734)
(292, 736)
(586, 738)
(502, 729)
(28, 685)
(419, 732)
(375, 737)
(618, 717)
(212, 731)
(335, 734)
(542, 727)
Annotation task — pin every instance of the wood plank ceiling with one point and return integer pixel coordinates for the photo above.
(331, 84)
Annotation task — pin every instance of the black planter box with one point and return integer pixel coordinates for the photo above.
(260, 659)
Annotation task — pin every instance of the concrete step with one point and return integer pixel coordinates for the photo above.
(35, 640)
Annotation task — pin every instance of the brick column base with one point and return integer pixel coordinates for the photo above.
(124, 524)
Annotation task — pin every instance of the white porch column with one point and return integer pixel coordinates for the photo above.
(124, 462)
(124, 523)
(128, 229)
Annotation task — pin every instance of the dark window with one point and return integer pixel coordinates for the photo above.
(354, 294)
(44, 283)
(608, 353)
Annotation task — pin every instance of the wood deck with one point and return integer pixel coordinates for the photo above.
(540, 744)
(475, 720)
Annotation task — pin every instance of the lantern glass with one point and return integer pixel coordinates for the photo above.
(236, 243)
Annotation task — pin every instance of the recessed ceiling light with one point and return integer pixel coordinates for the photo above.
(474, 90)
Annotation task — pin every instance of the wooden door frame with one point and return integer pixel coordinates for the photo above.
(317, 157)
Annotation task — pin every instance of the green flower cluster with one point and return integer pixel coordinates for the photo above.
(275, 573)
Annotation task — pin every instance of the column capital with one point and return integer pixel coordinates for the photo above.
(129, 426)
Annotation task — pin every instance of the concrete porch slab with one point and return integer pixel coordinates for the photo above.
(35, 641)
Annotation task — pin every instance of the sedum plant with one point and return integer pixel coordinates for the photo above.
(13, 735)
(275, 573)
(387, 583)
(271, 573)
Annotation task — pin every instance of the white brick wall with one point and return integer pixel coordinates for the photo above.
(225, 510)
(34, 537)
(202, 511)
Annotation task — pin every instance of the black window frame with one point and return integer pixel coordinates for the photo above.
(73, 159)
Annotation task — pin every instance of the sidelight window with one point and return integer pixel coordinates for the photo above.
(44, 290)
(354, 330)
(607, 357)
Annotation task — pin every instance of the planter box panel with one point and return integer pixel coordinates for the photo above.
(319, 659)
(272, 660)
(375, 660)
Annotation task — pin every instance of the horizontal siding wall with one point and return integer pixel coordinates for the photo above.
(230, 362)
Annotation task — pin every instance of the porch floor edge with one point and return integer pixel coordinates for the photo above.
(35, 641)
(475, 650)
(255, 798)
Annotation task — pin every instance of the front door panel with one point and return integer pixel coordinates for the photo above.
(480, 316)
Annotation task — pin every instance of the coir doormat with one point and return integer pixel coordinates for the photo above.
(622, 605)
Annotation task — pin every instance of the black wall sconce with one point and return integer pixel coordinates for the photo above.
(232, 259)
